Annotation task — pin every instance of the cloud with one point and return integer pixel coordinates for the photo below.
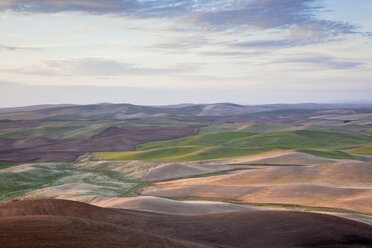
(260, 14)
(13, 48)
(232, 53)
(323, 62)
(269, 14)
(119, 7)
(183, 44)
(320, 30)
(210, 14)
(266, 44)
(294, 21)
(96, 67)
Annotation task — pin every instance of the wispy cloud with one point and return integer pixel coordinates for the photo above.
(14, 48)
(322, 62)
(269, 14)
(118, 7)
(210, 14)
(183, 44)
(232, 53)
(266, 44)
(96, 67)
(294, 22)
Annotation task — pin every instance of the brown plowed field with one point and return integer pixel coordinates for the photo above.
(60, 223)
(114, 139)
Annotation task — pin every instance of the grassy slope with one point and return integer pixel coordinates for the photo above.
(336, 126)
(216, 139)
(157, 154)
(249, 127)
(278, 140)
(328, 154)
(349, 128)
(111, 182)
(14, 184)
(366, 150)
(4, 165)
(233, 144)
(301, 139)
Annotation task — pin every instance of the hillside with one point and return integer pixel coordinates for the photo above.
(72, 224)
(232, 144)
(128, 111)
(272, 156)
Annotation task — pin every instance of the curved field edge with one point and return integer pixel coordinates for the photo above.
(328, 154)
(280, 140)
(236, 144)
(192, 153)
(273, 205)
(216, 139)
(366, 150)
(180, 154)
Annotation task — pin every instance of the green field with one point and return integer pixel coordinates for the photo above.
(234, 144)
(249, 127)
(301, 139)
(366, 150)
(15, 184)
(4, 165)
(216, 139)
(275, 140)
(102, 179)
(319, 126)
(329, 154)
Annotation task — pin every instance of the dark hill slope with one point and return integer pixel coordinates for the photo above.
(115, 139)
(59, 223)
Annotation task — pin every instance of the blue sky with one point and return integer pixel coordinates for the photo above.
(164, 52)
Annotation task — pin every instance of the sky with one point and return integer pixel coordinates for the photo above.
(187, 51)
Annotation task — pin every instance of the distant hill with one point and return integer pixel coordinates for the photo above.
(129, 111)
(33, 108)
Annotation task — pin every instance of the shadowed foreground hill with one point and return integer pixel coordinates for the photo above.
(60, 223)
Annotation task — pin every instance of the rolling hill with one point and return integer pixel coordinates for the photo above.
(128, 111)
(232, 144)
(71, 224)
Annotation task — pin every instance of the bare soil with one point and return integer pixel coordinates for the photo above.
(114, 139)
(60, 223)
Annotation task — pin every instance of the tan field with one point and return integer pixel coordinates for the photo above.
(167, 171)
(310, 181)
(167, 206)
